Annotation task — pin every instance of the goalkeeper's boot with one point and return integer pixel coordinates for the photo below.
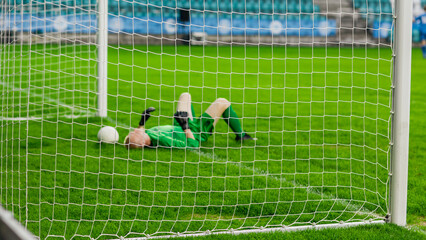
(182, 118)
(146, 115)
(242, 139)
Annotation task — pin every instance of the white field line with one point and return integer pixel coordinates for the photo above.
(19, 118)
(48, 99)
(68, 116)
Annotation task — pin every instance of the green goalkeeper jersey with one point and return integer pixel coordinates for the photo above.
(170, 136)
(174, 136)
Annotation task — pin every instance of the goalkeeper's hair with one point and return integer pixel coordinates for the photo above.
(127, 142)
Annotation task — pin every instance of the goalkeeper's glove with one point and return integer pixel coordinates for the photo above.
(145, 116)
(182, 119)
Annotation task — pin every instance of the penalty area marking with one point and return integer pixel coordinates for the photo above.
(74, 116)
(70, 116)
(19, 118)
(48, 99)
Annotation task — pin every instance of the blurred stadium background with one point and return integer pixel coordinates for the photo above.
(327, 21)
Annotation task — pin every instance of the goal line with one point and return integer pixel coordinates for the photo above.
(264, 230)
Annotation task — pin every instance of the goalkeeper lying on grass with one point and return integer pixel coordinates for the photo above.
(186, 131)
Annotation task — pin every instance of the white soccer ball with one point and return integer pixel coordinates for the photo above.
(108, 135)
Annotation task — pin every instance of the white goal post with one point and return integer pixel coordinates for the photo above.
(401, 112)
(12, 229)
(323, 86)
(102, 58)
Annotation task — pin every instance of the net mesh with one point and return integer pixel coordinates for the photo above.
(311, 80)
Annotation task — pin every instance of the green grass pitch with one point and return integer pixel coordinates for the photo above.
(387, 231)
(321, 116)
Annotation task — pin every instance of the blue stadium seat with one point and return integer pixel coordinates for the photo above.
(317, 8)
(239, 6)
(154, 9)
(363, 9)
(113, 7)
(126, 8)
(210, 15)
(280, 7)
(196, 14)
(140, 11)
(183, 4)
(319, 17)
(252, 6)
(157, 3)
(224, 16)
(169, 13)
(224, 6)
(293, 17)
(211, 6)
(385, 18)
(306, 17)
(266, 6)
(197, 4)
(386, 8)
(170, 3)
(293, 7)
(374, 8)
(307, 8)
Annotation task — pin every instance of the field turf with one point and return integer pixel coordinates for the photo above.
(321, 117)
(379, 231)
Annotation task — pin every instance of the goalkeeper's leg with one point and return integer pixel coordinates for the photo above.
(221, 108)
(185, 105)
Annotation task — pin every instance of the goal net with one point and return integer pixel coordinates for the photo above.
(310, 80)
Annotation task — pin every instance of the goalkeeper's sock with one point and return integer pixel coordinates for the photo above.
(231, 118)
(145, 116)
(424, 51)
